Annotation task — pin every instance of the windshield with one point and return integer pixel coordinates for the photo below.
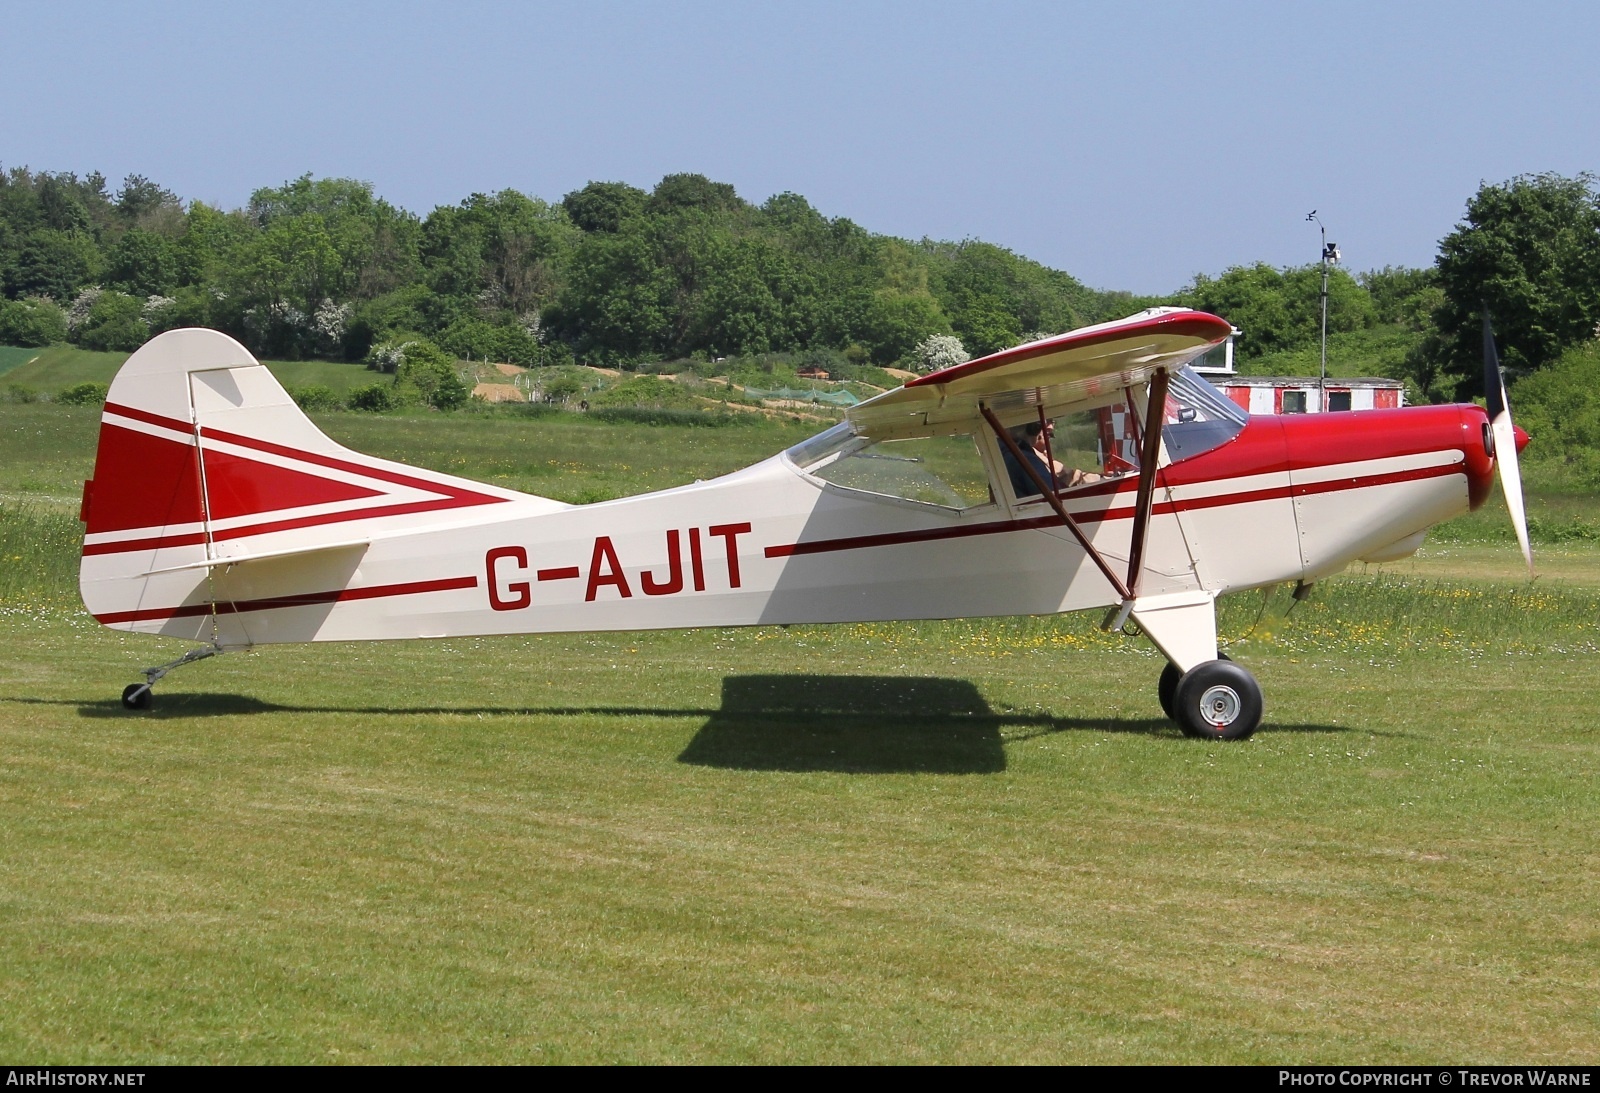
(1199, 417)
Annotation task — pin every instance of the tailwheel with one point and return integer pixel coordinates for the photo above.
(136, 696)
(1217, 700)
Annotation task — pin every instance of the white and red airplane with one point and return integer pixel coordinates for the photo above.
(1093, 469)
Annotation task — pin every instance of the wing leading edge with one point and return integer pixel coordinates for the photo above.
(1071, 367)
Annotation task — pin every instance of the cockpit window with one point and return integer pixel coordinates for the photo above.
(1082, 448)
(938, 470)
(1199, 417)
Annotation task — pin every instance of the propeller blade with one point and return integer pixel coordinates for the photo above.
(1505, 441)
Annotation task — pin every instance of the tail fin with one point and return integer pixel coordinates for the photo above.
(204, 459)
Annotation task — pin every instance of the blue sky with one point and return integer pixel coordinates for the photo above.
(1132, 145)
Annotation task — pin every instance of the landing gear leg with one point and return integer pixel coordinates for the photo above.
(136, 696)
(1207, 694)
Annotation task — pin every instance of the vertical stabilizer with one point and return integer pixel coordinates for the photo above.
(203, 457)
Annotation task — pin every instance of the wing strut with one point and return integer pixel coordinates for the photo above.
(1049, 453)
(1154, 415)
(1051, 496)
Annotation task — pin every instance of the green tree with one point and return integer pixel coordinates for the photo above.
(503, 252)
(83, 394)
(1529, 249)
(692, 191)
(140, 200)
(53, 263)
(143, 263)
(619, 303)
(604, 206)
(1559, 405)
(476, 339)
(425, 373)
(1400, 295)
(318, 242)
(205, 251)
(897, 321)
(987, 324)
(1279, 310)
(115, 322)
(31, 322)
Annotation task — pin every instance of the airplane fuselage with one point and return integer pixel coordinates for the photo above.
(1288, 499)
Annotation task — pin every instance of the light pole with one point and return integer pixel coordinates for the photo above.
(1330, 255)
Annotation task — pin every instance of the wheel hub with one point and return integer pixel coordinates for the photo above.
(1220, 705)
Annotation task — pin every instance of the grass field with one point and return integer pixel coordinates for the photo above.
(12, 356)
(965, 841)
(58, 366)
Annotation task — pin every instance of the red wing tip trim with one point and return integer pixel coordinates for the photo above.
(306, 599)
(1197, 324)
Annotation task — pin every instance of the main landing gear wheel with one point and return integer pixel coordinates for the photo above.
(136, 696)
(1217, 700)
(1167, 687)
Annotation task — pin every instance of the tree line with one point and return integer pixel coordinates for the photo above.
(611, 274)
(616, 275)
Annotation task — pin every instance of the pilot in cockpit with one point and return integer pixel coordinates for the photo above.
(1031, 439)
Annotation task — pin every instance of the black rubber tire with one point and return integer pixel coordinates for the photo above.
(136, 696)
(1167, 688)
(1218, 700)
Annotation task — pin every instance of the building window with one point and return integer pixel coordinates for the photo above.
(1294, 402)
(1338, 400)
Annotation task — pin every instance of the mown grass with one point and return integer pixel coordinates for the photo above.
(55, 367)
(569, 457)
(962, 841)
(12, 356)
(46, 450)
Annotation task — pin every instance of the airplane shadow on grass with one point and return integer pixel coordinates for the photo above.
(882, 725)
(842, 723)
(877, 724)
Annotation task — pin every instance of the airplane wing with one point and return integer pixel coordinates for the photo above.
(1063, 369)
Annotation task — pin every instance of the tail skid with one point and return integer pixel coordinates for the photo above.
(206, 463)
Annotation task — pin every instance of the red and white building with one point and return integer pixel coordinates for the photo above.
(1300, 395)
(1296, 394)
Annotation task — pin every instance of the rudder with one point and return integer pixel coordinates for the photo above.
(203, 456)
